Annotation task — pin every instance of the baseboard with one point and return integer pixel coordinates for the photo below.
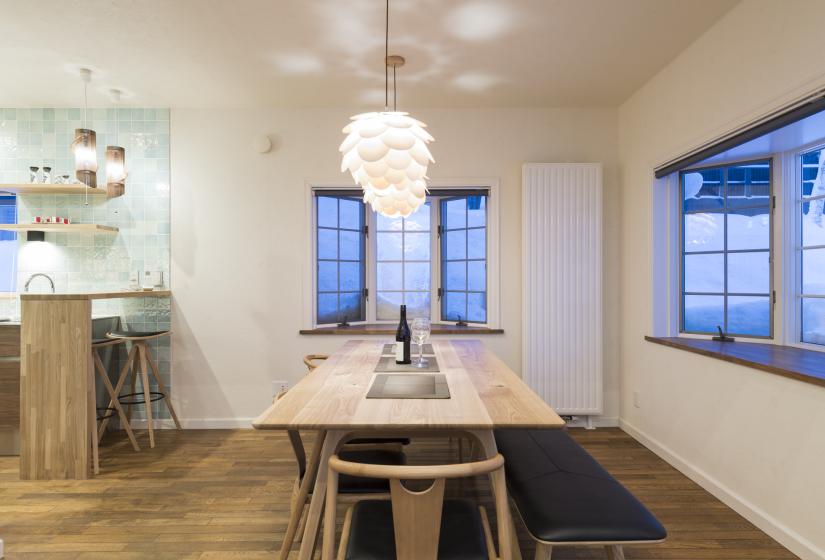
(197, 423)
(783, 534)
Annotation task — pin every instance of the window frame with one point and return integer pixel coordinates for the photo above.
(680, 257)
(493, 243)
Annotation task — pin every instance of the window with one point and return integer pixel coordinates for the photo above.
(811, 287)
(403, 265)
(726, 250)
(8, 245)
(464, 259)
(434, 262)
(341, 257)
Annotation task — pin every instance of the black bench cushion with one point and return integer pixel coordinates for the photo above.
(371, 535)
(564, 495)
(361, 485)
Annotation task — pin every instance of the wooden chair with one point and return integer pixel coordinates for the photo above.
(415, 525)
(352, 488)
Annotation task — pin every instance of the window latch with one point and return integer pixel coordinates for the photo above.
(440, 292)
(366, 293)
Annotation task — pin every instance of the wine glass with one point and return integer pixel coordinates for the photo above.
(420, 335)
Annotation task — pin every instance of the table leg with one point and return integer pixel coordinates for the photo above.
(508, 540)
(297, 512)
(331, 443)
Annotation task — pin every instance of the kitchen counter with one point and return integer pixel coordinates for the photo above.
(56, 374)
(96, 295)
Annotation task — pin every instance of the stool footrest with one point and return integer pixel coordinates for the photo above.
(153, 396)
(107, 413)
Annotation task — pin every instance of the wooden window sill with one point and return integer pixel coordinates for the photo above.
(385, 329)
(788, 361)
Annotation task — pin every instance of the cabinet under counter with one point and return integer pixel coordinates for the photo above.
(9, 389)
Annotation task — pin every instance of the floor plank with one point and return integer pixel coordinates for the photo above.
(224, 495)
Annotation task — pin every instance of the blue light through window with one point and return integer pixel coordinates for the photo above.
(812, 285)
(726, 249)
(464, 259)
(8, 245)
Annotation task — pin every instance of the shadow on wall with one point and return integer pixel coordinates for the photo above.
(193, 380)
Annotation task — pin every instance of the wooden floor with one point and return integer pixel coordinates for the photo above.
(224, 494)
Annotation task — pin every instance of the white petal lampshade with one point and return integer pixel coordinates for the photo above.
(387, 155)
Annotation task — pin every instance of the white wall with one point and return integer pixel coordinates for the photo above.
(239, 233)
(757, 440)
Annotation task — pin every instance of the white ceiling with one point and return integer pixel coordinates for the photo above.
(292, 53)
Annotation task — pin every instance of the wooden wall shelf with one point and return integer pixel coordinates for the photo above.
(44, 188)
(60, 228)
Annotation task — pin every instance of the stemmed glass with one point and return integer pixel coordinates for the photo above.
(420, 335)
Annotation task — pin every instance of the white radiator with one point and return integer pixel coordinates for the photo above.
(562, 293)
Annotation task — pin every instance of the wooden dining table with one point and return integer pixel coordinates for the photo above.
(485, 395)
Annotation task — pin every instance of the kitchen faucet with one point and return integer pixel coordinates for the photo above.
(33, 276)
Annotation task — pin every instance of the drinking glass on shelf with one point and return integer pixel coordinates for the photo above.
(420, 335)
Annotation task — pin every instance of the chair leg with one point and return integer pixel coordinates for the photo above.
(113, 402)
(92, 411)
(133, 382)
(121, 379)
(543, 551)
(614, 552)
(156, 375)
(147, 397)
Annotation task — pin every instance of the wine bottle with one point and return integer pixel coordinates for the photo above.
(402, 339)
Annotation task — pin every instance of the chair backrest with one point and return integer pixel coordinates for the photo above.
(310, 359)
(416, 514)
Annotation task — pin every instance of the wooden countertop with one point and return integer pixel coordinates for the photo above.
(98, 295)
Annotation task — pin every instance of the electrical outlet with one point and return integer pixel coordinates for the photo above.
(279, 386)
(636, 400)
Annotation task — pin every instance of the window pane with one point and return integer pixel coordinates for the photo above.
(476, 211)
(387, 305)
(327, 243)
(417, 246)
(389, 247)
(477, 276)
(476, 243)
(455, 306)
(705, 232)
(418, 304)
(350, 276)
(703, 190)
(327, 211)
(810, 170)
(476, 307)
(749, 229)
(417, 276)
(705, 273)
(704, 313)
(456, 275)
(328, 308)
(350, 307)
(350, 245)
(813, 271)
(813, 320)
(456, 244)
(351, 214)
(749, 184)
(388, 224)
(813, 223)
(420, 221)
(748, 273)
(749, 316)
(328, 276)
(456, 215)
(388, 276)
(8, 245)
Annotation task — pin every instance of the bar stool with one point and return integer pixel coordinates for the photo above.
(140, 353)
(99, 417)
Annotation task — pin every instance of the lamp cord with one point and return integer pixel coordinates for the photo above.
(394, 91)
(386, 55)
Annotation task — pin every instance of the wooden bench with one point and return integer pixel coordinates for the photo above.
(566, 498)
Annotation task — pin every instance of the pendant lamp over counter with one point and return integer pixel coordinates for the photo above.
(386, 152)
(115, 158)
(85, 141)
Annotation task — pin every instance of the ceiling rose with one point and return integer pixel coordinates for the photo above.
(386, 152)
